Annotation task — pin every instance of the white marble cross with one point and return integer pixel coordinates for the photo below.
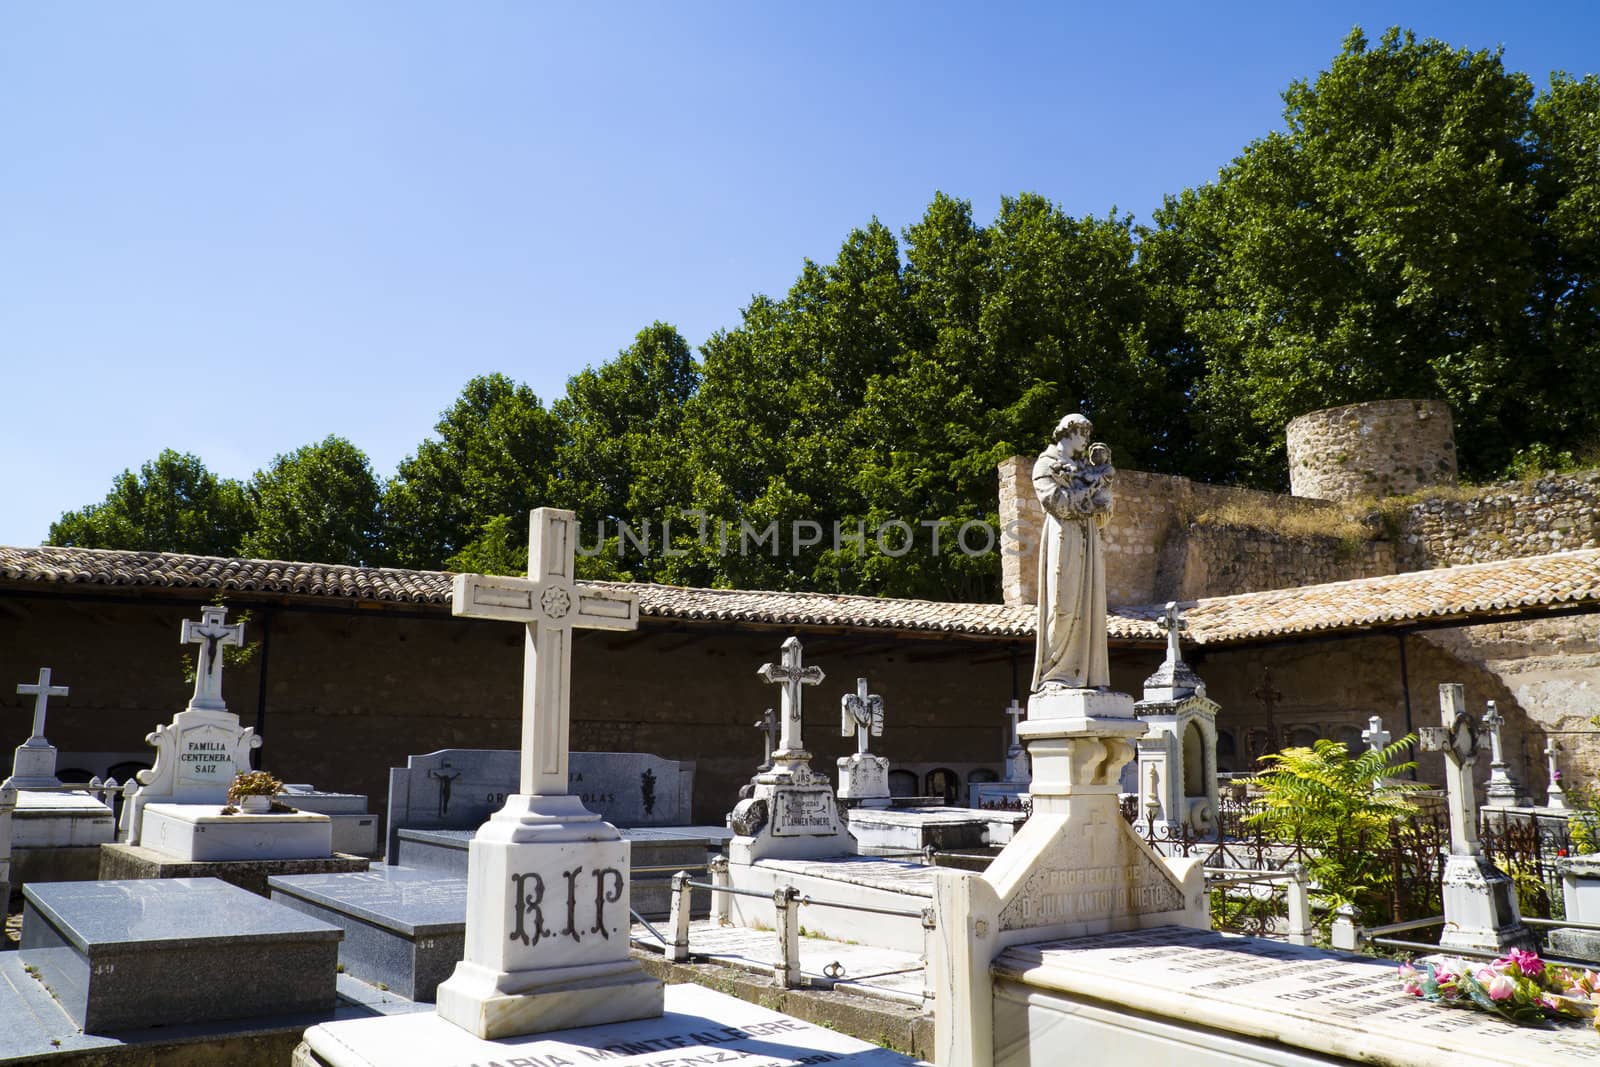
(1172, 622)
(550, 603)
(41, 693)
(1558, 796)
(1375, 735)
(861, 713)
(1017, 713)
(792, 676)
(1458, 740)
(211, 633)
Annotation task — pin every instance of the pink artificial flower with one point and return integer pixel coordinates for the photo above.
(1528, 963)
(1407, 972)
(1415, 990)
(1502, 987)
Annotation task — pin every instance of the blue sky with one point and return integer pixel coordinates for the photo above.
(233, 231)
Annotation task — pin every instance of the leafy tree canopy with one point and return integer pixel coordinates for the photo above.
(318, 503)
(173, 504)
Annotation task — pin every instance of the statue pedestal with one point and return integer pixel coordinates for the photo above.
(1076, 710)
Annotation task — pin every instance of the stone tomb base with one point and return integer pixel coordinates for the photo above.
(201, 833)
(129, 955)
(404, 929)
(699, 1025)
(657, 852)
(119, 862)
(883, 831)
(60, 820)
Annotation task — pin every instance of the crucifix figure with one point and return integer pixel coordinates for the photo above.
(1458, 740)
(41, 693)
(1375, 735)
(550, 603)
(792, 676)
(212, 633)
(1558, 796)
(769, 735)
(861, 713)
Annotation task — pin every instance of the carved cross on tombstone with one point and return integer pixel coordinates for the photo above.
(792, 676)
(769, 730)
(861, 714)
(550, 603)
(1375, 736)
(212, 633)
(1558, 796)
(1458, 740)
(41, 693)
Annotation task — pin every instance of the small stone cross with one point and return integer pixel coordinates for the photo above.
(792, 676)
(1017, 713)
(1558, 796)
(861, 713)
(769, 729)
(212, 633)
(1458, 740)
(1171, 621)
(550, 602)
(1493, 720)
(1375, 735)
(41, 693)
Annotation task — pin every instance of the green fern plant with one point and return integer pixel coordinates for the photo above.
(1341, 808)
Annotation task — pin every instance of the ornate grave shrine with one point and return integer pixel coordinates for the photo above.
(128, 955)
(403, 928)
(1175, 774)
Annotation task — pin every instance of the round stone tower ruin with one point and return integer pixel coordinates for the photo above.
(1380, 448)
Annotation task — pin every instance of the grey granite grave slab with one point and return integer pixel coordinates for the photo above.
(134, 954)
(404, 929)
(459, 788)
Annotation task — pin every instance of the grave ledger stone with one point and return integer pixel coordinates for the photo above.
(128, 955)
(547, 879)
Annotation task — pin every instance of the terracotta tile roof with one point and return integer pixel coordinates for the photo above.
(1477, 592)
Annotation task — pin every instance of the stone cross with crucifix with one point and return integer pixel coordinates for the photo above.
(41, 692)
(212, 633)
(861, 713)
(792, 675)
(547, 879)
(769, 736)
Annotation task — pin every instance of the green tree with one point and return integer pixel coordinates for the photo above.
(173, 504)
(318, 503)
(1390, 242)
(493, 456)
(621, 457)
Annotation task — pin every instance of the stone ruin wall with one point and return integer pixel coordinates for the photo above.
(1377, 449)
(1556, 513)
(1154, 553)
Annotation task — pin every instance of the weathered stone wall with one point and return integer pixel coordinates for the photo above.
(1381, 448)
(1153, 552)
(1553, 514)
